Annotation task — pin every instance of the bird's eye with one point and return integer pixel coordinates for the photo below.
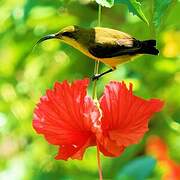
(68, 34)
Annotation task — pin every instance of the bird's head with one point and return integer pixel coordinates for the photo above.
(70, 33)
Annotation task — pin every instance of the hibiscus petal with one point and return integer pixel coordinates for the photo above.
(125, 117)
(109, 147)
(73, 151)
(65, 116)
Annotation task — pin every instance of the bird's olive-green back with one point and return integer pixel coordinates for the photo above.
(100, 35)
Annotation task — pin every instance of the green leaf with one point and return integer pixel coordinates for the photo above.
(135, 8)
(106, 3)
(138, 169)
(160, 8)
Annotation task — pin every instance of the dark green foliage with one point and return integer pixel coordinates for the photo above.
(160, 10)
(133, 6)
(137, 169)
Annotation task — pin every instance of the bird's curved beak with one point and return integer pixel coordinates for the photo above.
(47, 37)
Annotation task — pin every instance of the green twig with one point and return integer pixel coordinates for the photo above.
(96, 67)
(99, 15)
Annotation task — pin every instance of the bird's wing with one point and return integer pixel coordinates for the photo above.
(111, 43)
(119, 48)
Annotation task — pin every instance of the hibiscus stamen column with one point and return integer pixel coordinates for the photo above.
(94, 96)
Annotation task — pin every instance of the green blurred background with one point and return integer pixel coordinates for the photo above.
(25, 75)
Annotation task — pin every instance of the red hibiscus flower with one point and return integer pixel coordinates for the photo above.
(68, 118)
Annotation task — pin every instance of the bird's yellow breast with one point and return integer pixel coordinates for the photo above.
(79, 47)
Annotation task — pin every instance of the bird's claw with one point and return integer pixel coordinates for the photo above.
(95, 77)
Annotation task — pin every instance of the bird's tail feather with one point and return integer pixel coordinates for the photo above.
(148, 47)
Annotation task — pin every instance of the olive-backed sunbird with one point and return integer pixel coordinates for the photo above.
(112, 47)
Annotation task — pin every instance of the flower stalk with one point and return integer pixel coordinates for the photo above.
(94, 96)
(99, 164)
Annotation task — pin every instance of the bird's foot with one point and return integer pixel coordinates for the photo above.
(95, 77)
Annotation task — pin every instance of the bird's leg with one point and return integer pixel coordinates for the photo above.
(97, 76)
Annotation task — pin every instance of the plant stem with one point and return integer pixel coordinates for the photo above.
(96, 67)
(99, 15)
(94, 96)
(96, 70)
(99, 164)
